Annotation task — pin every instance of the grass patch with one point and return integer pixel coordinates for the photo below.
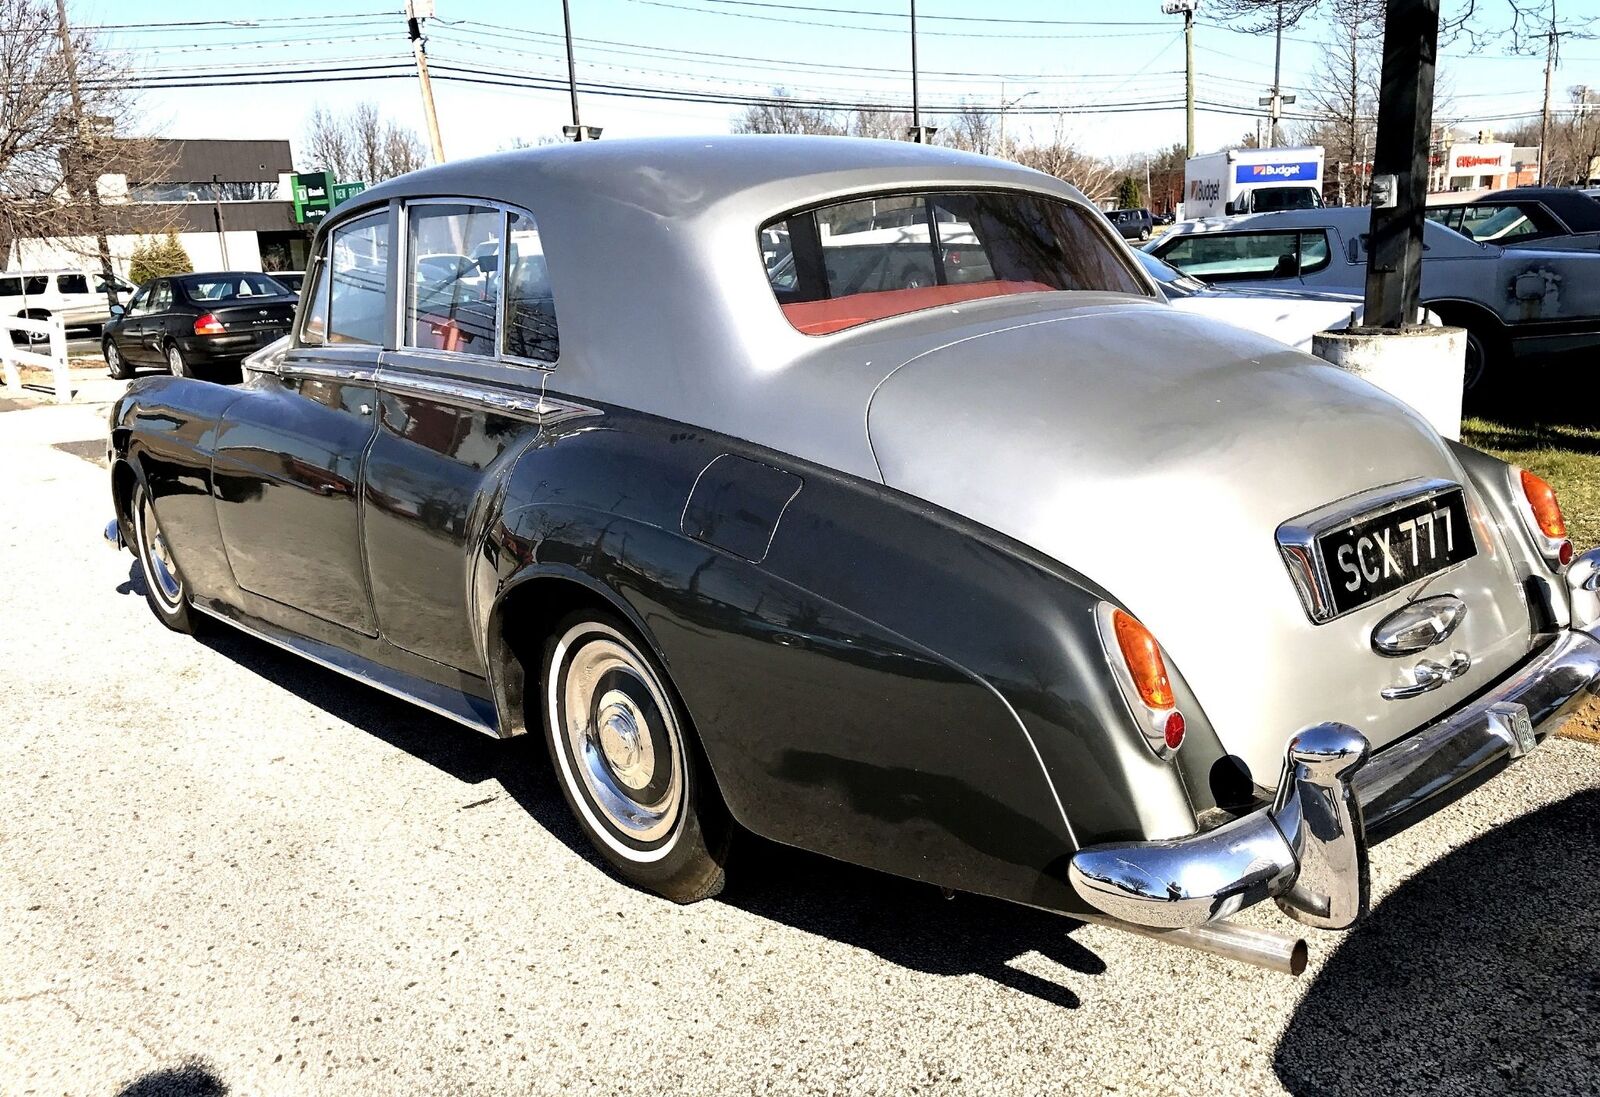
(1567, 456)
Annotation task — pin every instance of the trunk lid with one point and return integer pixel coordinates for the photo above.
(1158, 453)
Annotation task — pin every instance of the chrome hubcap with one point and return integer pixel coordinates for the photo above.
(160, 571)
(624, 744)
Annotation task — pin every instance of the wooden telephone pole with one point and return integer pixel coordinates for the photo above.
(416, 12)
(79, 166)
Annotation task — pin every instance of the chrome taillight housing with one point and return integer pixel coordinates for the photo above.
(1140, 671)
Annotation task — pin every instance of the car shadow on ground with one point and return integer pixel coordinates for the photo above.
(193, 1078)
(1479, 975)
(904, 922)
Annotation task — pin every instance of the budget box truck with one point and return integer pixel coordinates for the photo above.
(1252, 181)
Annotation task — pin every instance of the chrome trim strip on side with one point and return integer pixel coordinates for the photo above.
(368, 673)
(543, 409)
(348, 374)
(1297, 538)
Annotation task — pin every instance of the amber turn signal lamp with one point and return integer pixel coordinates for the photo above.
(1546, 511)
(1142, 655)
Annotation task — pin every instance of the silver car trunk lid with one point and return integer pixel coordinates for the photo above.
(1158, 453)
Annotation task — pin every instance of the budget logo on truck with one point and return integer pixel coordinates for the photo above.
(1268, 173)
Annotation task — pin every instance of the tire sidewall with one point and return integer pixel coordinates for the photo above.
(177, 364)
(116, 364)
(176, 617)
(682, 866)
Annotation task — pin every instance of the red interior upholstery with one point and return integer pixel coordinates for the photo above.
(822, 317)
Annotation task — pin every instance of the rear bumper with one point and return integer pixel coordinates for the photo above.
(221, 350)
(1309, 849)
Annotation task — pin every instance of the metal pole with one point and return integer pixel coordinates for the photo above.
(80, 123)
(222, 228)
(414, 30)
(916, 105)
(1551, 41)
(1277, 83)
(1405, 125)
(572, 66)
(1188, 79)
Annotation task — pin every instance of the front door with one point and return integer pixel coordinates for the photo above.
(290, 451)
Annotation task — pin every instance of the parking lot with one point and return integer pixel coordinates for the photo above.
(223, 868)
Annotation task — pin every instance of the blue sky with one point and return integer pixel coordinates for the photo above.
(1109, 54)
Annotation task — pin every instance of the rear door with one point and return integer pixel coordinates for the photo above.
(458, 402)
(153, 322)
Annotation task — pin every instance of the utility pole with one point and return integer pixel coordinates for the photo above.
(1277, 99)
(1552, 45)
(1400, 163)
(577, 131)
(1187, 8)
(921, 134)
(222, 226)
(416, 12)
(91, 184)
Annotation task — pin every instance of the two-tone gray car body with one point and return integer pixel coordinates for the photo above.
(874, 571)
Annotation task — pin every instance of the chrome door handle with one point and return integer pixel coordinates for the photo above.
(1428, 675)
(366, 409)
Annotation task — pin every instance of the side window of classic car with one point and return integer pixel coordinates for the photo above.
(359, 267)
(530, 307)
(452, 289)
(865, 259)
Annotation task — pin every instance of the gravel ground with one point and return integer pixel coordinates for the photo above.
(224, 870)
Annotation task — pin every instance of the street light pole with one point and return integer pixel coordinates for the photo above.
(1005, 107)
(577, 131)
(919, 133)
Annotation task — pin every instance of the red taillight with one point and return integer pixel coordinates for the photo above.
(1141, 674)
(1143, 656)
(208, 325)
(1546, 511)
(1174, 731)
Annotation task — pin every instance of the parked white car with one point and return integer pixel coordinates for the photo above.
(1520, 306)
(1290, 316)
(77, 296)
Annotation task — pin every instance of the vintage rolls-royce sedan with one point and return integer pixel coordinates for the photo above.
(866, 497)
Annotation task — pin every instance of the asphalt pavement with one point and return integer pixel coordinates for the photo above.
(225, 870)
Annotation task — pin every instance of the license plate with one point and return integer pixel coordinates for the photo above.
(1372, 557)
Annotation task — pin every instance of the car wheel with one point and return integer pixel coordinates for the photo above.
(626, 761)
(164, 588)
(1144, 234)
(116, 364)
(177, 364)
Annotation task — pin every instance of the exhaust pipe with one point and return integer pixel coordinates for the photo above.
(1262, 947)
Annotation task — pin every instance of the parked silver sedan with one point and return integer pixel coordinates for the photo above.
(1520, 306)
(956, 553)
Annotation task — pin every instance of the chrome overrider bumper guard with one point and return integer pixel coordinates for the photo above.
(1308, 850)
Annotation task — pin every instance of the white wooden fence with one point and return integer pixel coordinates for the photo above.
(53, 358)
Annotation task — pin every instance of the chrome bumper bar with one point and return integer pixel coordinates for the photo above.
(1308, 850)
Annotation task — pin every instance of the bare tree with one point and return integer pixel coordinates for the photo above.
(781, 114)
(1344, 92)
(884, 125)
(973, 129)
(360, 145)
(1062, 158)
(48, 164)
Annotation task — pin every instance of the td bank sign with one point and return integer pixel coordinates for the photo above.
(316, 193)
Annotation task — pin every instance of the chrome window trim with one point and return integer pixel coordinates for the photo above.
(1297, 539)
(324, 257)
(543, 409)
(403, 274)
(348, 374)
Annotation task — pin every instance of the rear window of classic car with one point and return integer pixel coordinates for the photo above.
(847, 263)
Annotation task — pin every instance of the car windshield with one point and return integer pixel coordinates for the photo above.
(226, 287)
(1174, 283)
(1273, 199)
(865, 259)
